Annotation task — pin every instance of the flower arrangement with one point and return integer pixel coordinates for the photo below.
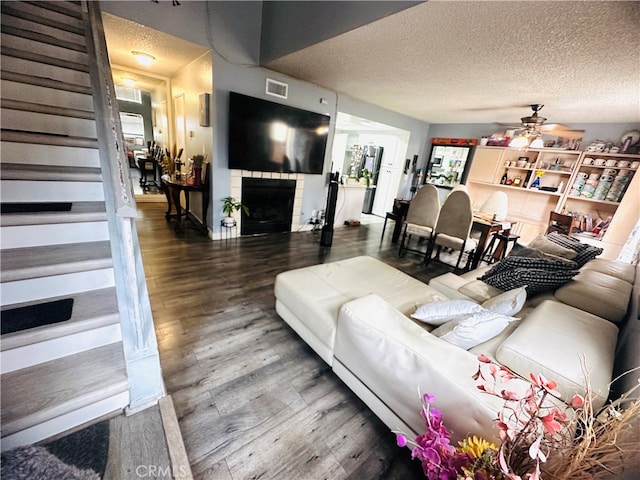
(537, 436)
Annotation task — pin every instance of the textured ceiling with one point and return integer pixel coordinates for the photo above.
(482, 62)
(171, 53)
(453, 61)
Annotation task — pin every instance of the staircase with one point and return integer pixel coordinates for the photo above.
(77, 339)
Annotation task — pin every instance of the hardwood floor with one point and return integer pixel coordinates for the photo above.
(253, 401)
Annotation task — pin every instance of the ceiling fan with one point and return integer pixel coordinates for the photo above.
(533, 127)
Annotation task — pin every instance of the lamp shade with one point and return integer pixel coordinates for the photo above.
(497, 204)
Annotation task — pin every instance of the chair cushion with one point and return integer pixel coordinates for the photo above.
(421, 230)
(455, 243)
(597, 293)
(552, 341)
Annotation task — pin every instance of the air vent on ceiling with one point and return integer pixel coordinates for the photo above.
(277, 89)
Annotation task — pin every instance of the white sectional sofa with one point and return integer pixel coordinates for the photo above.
(355, 314)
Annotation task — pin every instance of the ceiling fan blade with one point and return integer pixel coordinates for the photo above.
(564, 133)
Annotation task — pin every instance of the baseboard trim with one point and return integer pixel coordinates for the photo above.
(175, 445)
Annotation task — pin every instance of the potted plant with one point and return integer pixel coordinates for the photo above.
(229, 205)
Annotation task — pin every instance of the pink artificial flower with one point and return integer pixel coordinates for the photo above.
(483, 358)
(535, 452)
(402, 440)
(550, 424)
(540, 381)
(505, 374)
(577, 401)
(509, 395)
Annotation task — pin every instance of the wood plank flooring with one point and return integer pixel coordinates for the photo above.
(253, 401)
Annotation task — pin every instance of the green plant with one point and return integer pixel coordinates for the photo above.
(230, 204)
(367, 176)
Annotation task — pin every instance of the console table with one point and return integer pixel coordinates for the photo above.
(172, 187)
(142, 165)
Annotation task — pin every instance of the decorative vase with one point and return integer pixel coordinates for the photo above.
(197, 174)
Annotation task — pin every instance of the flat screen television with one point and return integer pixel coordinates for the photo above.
(270, 137)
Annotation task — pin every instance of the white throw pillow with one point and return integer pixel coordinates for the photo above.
(437, 313)
(508, 303)
(474, 329)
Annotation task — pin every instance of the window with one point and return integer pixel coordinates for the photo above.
(128, 94)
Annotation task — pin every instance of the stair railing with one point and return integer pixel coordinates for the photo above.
(139, 340)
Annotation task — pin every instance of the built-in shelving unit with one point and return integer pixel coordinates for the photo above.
(561, 173)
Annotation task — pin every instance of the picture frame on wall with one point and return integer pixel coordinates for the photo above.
(204, 109)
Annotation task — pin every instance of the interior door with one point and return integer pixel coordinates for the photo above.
(181, 124)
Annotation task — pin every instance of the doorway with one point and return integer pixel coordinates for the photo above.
(360, 143)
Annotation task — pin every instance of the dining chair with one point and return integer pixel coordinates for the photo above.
(559, 223)
(453, 227)
(421, 218)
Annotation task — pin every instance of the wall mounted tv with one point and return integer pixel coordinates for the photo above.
(270, 137)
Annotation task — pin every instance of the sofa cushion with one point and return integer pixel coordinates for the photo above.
(508, 303)
(395, 358)
(437, 313)
(479, 291)
(554, 340)
(584, 251)
(469, 331)
(597, 293)
(537, 274)
(623, 271)
(545, 245)
(309, 298)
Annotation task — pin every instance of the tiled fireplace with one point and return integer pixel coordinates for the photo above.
(279, 189)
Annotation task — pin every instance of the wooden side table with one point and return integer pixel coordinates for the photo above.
(172, 187)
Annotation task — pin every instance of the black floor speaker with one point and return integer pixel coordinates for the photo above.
(326, 236)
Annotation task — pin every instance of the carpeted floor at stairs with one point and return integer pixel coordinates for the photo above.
(81, 455)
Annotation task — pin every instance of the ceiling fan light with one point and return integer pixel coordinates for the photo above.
(537, 142)
(143, 58)
(519, 140)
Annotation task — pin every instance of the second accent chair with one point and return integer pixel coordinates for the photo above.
(454, 226)
(421, 218)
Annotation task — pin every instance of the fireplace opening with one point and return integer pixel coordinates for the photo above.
(270, 204)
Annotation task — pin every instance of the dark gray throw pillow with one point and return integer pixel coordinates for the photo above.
(536, 274)
(584, 251)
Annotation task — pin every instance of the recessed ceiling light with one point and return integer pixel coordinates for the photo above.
(128, 82)
(144, 58)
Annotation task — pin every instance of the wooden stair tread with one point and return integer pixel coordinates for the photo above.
(39, 393)
(80, 212)
(91, 310)
(35, 262)
(68, 20)
(15, 171)
(43, 138)
(20, 77)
